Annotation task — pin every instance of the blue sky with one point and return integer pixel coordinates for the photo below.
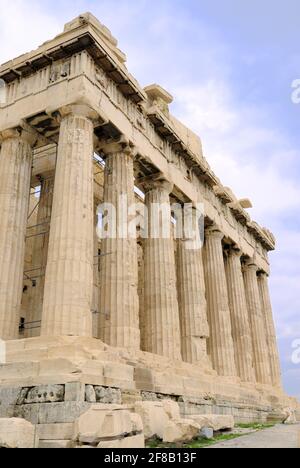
(230, 65)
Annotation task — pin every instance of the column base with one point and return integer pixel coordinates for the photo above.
(56, 379)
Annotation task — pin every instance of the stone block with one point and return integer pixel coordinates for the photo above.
(154, 418)
(290, 416)
(19, 371)
(58, 367)
(75, 391)
(103, 421)
(90, 394)
(172, 409)
(41, 342)
(56, 444)
(95, 368)
(55, 431)
(56, 413)
(144, 378)
(135, 442)
(9, 396)
(7, 411)
(169, 384)
(28, 412)
(137, 423)
(69, 352)
(17, 433)
(28, 356)
(182, 430)
(46, 394)
(149, 396)
(22, 396)
(117, 423)
(118, 372)
(130, 397)
(207, 433)
(112, 396)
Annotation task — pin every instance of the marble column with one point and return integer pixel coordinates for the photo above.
(257, 323)
(119, 303)
(28, 265)
(96, 291)
(15, 173)
(270, 329)
(141, 293)
(240, 324)
(67, 308)
(221, 348)
(39, 258)
(160, 293)
(192, 300)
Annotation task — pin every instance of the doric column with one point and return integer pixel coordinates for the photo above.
(220, 343)
(69, 274)
(28, 263)
(96, 292)
(15, 173)
(257, 323)
(119, 303)
(160, 294)
(39, 258)
(270, 329)
(141, 293)
(240, 324)
(192, 300)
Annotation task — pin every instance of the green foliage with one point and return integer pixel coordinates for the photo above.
(255, 426)
(197, 443)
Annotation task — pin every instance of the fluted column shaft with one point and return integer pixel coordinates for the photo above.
(258, 325)
(69, 274)
(192, 300)
(220, 343)
(240, 324)
(160, 293)
(39, 258)
(119, 304)
(270, 329)
(141, 288)
(15, 172)
(96, 292)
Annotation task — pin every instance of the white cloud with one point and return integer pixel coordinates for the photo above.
(245, 155)
(24, 26)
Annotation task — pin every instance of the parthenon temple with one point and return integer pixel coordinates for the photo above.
(145, 317)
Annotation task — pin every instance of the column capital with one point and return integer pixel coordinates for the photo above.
(121, 145)
(80, 110)
(214, 232)
(234, 252)
(157, 182)
(25, 134)
(250, 264)
(263, 274)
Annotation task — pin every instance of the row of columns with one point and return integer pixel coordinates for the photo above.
(209, 307)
